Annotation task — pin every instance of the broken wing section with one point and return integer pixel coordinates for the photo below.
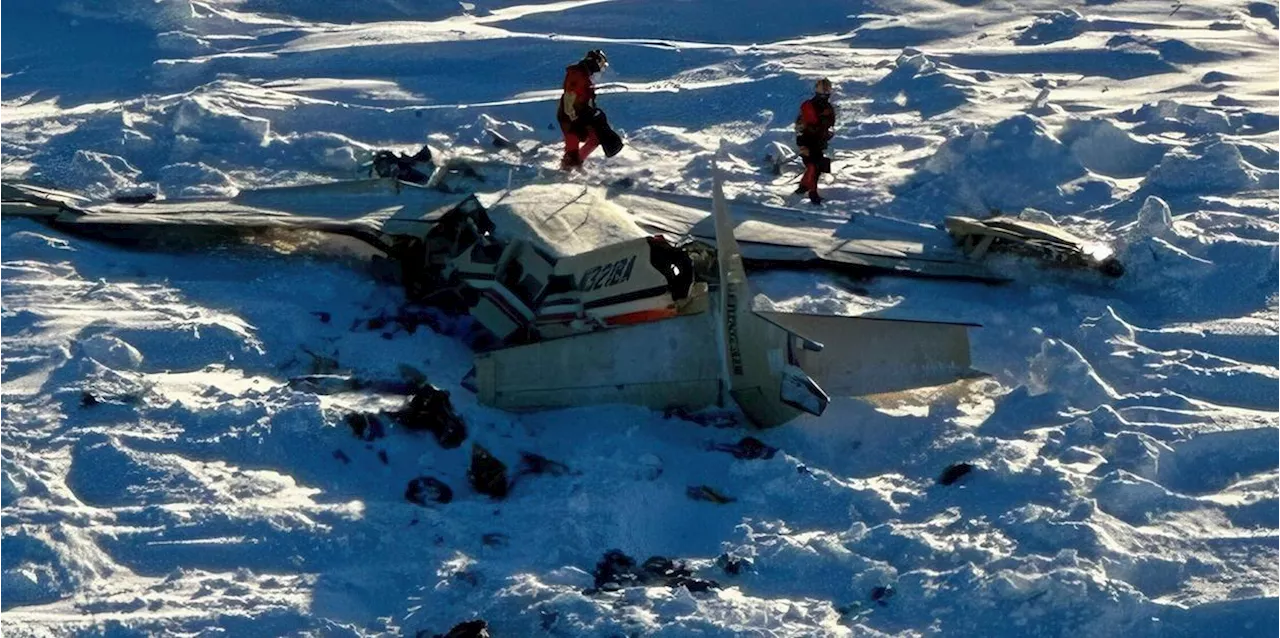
(660, 365)
(862, 355)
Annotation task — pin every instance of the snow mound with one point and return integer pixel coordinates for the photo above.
(10, 488)
(187, 179)
(214, 119)
(1014, 164)
(1105, 148)
(112, 352)
(481, 132)
(1172, 50)
(106, 473)
(33, 571)
(1037, 216)
(1060, 368)
(916, 83)
(1154, 220)
(323, 149)
(1054, 27)
(111, 171)
(1134, 499)
(1218, 168)
(1133, 452)
(1170, 116)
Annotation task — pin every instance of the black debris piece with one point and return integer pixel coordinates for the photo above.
(366, 426)
(749, 448)
(323, 316)
(498, 140)
(341, 456)
(547, 618)
(135, 198)
(881, 595)
(487, 474)
(954, 472)
(88, 399)
(469, 629)
(617, 570)
(406, 168)
(382, 456)
(732, 564)
(531, 463)
(707, 493)
(426, 489)
(431, 410)
(495, 539)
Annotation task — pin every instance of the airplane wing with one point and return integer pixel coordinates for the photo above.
(780, 237)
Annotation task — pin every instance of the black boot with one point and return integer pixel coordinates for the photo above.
(815, 198)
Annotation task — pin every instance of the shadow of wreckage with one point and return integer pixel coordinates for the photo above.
(588, 299)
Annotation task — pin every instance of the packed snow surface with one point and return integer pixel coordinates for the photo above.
(162, 475)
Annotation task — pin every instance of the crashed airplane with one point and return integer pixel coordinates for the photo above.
(594, 295)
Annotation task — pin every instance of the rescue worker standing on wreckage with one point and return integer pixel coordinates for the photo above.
(813, 131)
(583, 124)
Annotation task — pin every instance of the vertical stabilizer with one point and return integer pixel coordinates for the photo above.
(758, 363)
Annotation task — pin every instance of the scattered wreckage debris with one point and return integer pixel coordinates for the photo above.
(1006, 233)
(734, 565)
(469, 629)
(749, 448)
(428, 410)
(617, 571)
(881, 594)
(585, 304)
(709, 494)
(366, 426)
(415, 169)
(426, 489)
(487, 474)
(495, 539)
(431, 411)
(955, 472)
(535, 464)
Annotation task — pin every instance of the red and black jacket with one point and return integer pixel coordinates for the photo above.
(813, 126)
(577, 80)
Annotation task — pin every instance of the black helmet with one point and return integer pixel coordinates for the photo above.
(596, 60)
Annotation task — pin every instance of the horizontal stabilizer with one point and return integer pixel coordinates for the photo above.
(869, 356)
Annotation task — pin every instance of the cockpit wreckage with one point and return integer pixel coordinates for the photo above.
(596, 295)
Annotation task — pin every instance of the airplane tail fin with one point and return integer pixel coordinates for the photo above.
(759, 362)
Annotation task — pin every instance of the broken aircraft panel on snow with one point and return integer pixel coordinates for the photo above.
(1005, 233)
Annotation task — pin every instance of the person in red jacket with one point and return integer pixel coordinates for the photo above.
(813, 131)
(577, 111)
